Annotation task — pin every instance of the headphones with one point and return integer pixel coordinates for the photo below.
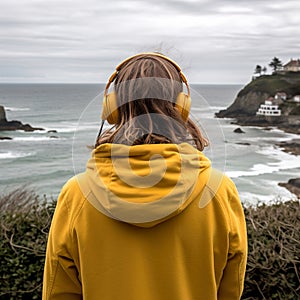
(110, 104)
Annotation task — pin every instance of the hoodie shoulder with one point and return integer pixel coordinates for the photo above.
(72, 198)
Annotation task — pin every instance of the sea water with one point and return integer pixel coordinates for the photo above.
(45, 160)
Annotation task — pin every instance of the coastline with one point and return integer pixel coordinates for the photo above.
(292, 147)
(288, 124)
(293, 185)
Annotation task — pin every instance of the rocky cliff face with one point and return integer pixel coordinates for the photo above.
(257, 91)
(249, 99)
(244, 106)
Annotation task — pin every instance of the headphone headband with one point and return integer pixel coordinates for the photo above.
(120, 65)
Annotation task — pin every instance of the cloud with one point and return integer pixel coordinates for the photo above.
(82, 41)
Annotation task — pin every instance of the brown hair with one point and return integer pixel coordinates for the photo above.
(142, 85)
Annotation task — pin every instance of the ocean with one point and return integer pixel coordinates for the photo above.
(70, 114)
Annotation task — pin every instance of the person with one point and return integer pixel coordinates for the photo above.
(149, 218)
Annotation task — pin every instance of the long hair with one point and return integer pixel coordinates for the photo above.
(147, 87)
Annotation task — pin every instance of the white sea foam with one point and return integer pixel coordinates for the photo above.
(33, 138)
(208, 108)
(63, 129)
(269, 139)
(11, 154)
(249, 198)
(283, 161)
(278, 194)
(9, 108)
(70, 128)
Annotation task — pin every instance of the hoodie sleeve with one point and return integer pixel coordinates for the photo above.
(61, 279)
(232, 282)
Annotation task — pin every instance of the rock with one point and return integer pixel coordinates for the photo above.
(292, 146)
(293, 185)
(2, 114)
(238, 130)
(53, 137)
(52, 131)
(295, 182)
(244, 144)
(14, 125)
(5, 138)
(28, 127)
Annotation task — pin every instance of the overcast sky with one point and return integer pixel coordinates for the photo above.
(217, 41)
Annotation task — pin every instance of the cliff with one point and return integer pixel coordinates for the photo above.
(249, 99)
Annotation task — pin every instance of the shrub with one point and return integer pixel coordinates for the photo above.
(24, 224)
(274, 249)
(273, 242)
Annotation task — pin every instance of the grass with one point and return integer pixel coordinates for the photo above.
(270, 84)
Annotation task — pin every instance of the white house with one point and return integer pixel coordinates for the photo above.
(268, 109)
(293, 65)
(280, 96)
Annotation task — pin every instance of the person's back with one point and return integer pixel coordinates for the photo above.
(149, 218)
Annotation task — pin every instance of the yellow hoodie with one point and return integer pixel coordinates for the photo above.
(147, 222)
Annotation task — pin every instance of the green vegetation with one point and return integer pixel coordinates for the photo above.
(288, 82)
(273, 261)
(25, 221)
(290, 108)
(274, 252)
(275, 64)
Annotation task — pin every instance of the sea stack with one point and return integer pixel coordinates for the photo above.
(13, 125)
(2, 115)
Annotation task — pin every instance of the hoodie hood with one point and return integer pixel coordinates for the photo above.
(144, 184)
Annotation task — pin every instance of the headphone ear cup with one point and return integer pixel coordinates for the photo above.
(110, 108)
(183, 104)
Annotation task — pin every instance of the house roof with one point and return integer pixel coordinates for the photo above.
(293, 63)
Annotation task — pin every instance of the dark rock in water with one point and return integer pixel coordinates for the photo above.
(53, 137)
(293, 185)
(244, 144)
(28, 127)
(14, 125)
(238, 130)
(52, 131)
(295, 182)
(292, 146)
(5, 138)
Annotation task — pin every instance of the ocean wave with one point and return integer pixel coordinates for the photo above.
(73, 128)
(269, 139)
(280, 194)
(208, 108)
(11, 154)
(9, 108)
(34, 138)
(283, 161)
